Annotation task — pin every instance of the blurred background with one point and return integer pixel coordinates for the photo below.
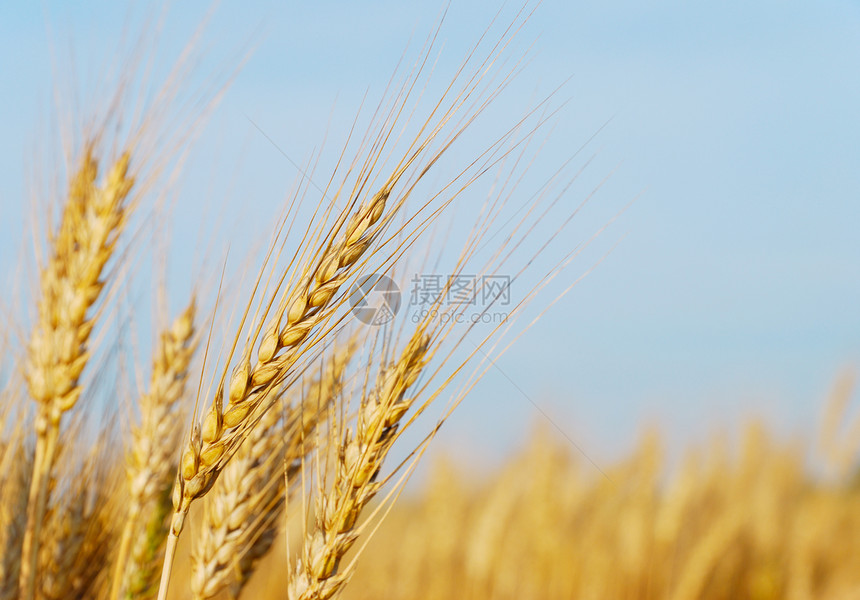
(731, 283)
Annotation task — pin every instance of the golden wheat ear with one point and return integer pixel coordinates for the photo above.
(254, 388)
(135, 142)
(359, 459)
(247, 497)
(298, 315)
(296, 325)
(71, 284)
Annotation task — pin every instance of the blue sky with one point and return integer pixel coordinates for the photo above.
(735, 284)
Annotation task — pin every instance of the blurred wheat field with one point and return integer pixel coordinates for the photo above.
(754, 526)
(263, 450)
(762, 518)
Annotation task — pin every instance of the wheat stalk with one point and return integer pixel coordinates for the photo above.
(58, 351)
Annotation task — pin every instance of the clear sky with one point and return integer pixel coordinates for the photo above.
(735, 284)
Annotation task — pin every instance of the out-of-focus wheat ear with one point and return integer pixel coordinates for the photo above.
(65, 530)
(152, 462)
(246, 507)
(359, 460)
(79, 529)
(71, 284)
(705, 554)
(14, 483)
(837, 439)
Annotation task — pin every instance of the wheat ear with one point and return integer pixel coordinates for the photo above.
(71, 283)
(359, 461)
(151, 463)
(311, 297)
(252, 385)
(254, 388)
